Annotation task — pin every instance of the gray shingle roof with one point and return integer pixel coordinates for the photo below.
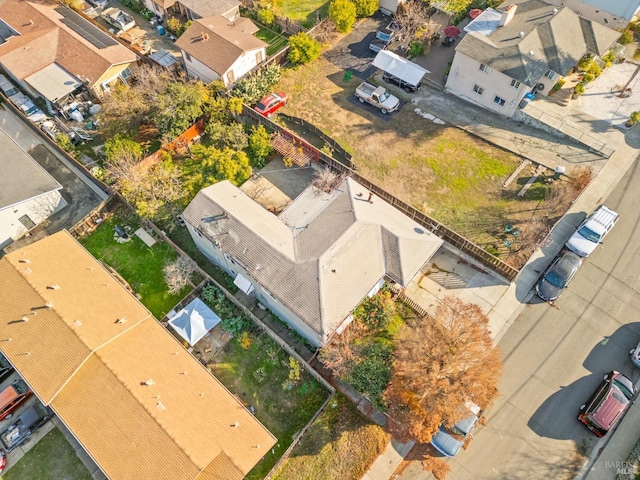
(540, 36)
(325, 251)
(23, 177)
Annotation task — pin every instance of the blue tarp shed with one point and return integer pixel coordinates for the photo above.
(194, 321)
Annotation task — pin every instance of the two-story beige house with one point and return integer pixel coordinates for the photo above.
(525, 46)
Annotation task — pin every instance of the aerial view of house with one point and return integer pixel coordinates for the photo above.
(319, 240)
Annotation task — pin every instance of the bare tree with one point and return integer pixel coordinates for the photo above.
(326, 179)
(439, 365)
(177, 274)
(410, 19)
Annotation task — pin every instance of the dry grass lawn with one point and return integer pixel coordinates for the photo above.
(340, 445)
(443, 171)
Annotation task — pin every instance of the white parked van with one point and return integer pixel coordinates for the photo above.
(592, 231)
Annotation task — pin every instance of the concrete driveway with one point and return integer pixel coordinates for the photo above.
(601, 99)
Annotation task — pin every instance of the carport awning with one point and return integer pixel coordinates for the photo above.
(53, 82)
(399, 67)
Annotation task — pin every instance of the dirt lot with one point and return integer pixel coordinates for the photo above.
(443, 171)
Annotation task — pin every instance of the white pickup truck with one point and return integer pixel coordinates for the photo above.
(378, 97)
(118, 19)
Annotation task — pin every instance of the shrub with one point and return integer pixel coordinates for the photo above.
(609, 57)
(588, 77)
(64, 142)
(578, 89)
(266, 16)
(636, 55)
(343, 14)
(372, 373)
(594, 69)
(559, 84)
(366, 8)
(245, 340)
(259, 145)
(415, 49)
(634, 118)
(583, 64)
(251, 89)
(303, 49)
(626, 37)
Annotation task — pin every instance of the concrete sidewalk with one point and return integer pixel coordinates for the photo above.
(451, 273)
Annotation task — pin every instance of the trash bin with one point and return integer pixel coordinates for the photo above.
(160, 29)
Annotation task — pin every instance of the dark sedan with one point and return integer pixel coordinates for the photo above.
(558, 276)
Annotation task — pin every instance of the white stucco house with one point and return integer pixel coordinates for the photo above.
(315, 262)
(390, 7)
(28, 194)
(217, 48)
(526, 45)
(612, 13)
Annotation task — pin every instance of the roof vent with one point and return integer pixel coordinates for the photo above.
(27, 270)
(555, 10)
(77, 323)
(160, 406)
(235, 425)
(183, 373)
(121, 320)
(531, 52)
(521, 34)
(24, 320)
(53, 287)
(48, 305)
(24, 260)
(204, 37)
(148, 383)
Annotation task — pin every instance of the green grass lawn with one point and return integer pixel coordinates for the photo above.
(257, 375)
(138, 264)
(304, 11)
(52, 458)
(341, 445)
(275, 40)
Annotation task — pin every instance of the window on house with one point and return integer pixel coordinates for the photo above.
(549, 74)
(484, 68)
(498, 100)
(515, 84)
(478, 89)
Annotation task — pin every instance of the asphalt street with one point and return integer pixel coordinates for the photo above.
(555, 356)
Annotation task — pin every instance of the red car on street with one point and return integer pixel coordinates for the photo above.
(271, 103)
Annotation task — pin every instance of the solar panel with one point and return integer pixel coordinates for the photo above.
(85, 29)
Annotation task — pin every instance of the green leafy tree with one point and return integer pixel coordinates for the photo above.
(366, 8)
(179, 107)
(343, 14)
(221, 164)
(119, 148)
(252, 88)
(303, 49)
(231, 135)
(266, 16)
(259, 145)
(456, 7)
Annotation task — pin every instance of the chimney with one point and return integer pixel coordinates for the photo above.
(507, 15)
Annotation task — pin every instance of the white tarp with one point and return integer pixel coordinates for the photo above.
(399, 67)
(194, 321)
(53, 82)
(243, 284)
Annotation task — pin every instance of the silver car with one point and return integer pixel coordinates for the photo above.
(635, 355)
(558, 276)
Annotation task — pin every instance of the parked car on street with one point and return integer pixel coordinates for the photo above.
(607, 404)
(592, 231)
(449, 441)
(558, 276)
(271, 103)
(21, 430)
(635, 355)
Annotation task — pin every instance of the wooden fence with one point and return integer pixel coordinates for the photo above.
(461, 243)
